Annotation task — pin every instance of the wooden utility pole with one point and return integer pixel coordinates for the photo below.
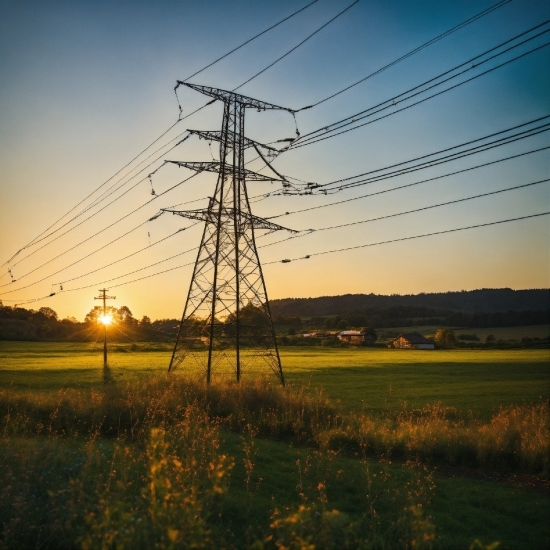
(105, 320)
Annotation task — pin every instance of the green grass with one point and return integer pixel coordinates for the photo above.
(360, 378)
(374, 380)
(462, 509)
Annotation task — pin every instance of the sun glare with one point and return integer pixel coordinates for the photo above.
(106, 319)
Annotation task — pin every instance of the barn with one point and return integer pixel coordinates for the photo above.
(412, 340)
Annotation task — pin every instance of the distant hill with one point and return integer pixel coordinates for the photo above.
(482, 300)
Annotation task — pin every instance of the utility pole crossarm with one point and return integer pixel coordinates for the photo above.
(227, 96)
(211, 216)
(216, 135)
(214, 166)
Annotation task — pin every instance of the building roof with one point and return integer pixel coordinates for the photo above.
(351, 333)
(414, 338)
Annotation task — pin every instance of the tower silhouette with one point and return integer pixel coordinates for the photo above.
(226, 327)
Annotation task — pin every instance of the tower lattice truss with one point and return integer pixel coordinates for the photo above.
(227, 328)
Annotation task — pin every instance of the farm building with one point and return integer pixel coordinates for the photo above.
(357, 337)
(413, 340)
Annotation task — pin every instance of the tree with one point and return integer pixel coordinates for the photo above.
(490, 338)
(48, 312)
(445, 338)
(125, 316)
(145, 322)
(343, 324)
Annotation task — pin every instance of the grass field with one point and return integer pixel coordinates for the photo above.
(271, 477)
(373, 379)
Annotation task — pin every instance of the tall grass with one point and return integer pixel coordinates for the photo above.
(141, 465)
(516, 439)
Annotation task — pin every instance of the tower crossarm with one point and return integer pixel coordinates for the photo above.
(215, 135)
(214, 166)
(224, 95)
(210, 215)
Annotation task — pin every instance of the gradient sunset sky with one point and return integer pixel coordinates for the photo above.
(86, 85)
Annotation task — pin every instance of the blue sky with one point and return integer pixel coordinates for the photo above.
(85, 86)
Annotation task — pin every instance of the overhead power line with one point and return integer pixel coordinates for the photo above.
(336, 250)
(376, 175)
(455, 156)
(306, 232)
(61, 283)
(322, 138)
(407, 238)
(392, 100)
(250, 40)
(416, 50)
(164, 133)
(334, 203)
(113, 224)
(298, 45)
(95, 204)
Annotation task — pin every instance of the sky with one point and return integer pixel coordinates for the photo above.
(86, 86)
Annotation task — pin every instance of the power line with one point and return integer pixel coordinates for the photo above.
(411, 184)
(61, 283)
(297, 46)
(353, 118)
(432, 162)
(446, 150)
(86, 219)
(325, 252)
(407, 238)
(88, 196)
(114, 223)
(416, 50)
(164, 133)
(132, 272)
(251, 39)
(309, 232)
(422, 100)
(306, 232)
(452, 157)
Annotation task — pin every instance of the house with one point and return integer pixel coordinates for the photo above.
(357, 337)
(412, 340)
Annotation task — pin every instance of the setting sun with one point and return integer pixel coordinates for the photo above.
(106, 319)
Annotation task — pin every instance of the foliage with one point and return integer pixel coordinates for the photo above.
(445, 338)
(482, 300)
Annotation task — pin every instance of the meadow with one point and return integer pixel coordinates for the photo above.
(364, 448)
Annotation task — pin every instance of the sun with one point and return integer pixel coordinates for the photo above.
(106, 320)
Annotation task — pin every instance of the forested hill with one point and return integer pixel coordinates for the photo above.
(483, 300)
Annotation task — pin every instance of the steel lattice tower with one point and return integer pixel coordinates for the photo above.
(226, 326)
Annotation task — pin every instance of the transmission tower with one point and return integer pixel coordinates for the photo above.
(226, 326)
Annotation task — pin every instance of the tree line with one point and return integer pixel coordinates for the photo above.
(483, 300)
(18, 323)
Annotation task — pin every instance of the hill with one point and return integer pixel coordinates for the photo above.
(482, 300)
